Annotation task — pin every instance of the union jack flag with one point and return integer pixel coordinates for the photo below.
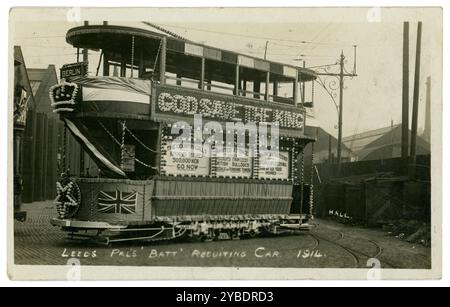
(117, 202)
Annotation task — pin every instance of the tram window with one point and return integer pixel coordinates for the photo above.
(219, 77)
(307, 98)
(252, 83)
(132, 73)
(114, 69)
(285, 93)
(183, 70)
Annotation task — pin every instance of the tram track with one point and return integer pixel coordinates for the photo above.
(354, 256)
(354, 252)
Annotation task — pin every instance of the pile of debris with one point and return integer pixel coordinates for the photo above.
(413, 231)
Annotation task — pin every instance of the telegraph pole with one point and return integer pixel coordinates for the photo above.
(405, 92)
(341, 105)
(415, 103)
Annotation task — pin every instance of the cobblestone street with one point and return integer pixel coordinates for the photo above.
(328, 245)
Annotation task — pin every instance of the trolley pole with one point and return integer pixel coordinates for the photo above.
(265, 50)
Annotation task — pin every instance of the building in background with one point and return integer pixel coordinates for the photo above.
(325, 149)
(384, 143)
(44, 136)
(41, 170)
(24, 111)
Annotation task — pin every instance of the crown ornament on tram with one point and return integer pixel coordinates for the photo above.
(63, 96)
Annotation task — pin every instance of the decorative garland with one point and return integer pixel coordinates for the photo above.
(139, 141)
(122, 144)
(302, 177)
(132, 56)
(311, 190)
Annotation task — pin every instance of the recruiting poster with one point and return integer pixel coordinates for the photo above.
(273, 167)
(184, 165)
(128, 158)
(234, 167)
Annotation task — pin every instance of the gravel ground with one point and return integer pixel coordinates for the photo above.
(328, 245)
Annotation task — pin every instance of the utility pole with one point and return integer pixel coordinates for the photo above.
(340, 76)
(405, 93)
(341, 105)
(415, 110)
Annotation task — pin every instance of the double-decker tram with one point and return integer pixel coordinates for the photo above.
(191, 141)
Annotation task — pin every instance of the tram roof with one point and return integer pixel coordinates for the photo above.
(100, 36)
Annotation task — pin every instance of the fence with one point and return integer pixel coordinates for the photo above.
(374, 191)
(42, 152)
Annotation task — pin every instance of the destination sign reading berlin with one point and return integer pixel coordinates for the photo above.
(219, 108)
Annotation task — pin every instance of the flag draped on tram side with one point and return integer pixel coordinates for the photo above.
(97, 152)
(114, 95)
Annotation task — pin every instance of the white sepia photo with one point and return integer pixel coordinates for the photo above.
(225, 143)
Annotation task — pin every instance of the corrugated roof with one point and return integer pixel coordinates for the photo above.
(382, 143)
(322, 142)
(359, 141)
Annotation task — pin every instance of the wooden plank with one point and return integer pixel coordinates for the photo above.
(45, 152)
(276, 68)
(246, 61)
(229, 57)
(28, 157)
(213, 54)
(37, 178)
(261, 65)
(175, 45)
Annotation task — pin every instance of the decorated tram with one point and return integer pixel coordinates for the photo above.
(191, 141)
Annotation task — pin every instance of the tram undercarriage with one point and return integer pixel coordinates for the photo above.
(197, 229)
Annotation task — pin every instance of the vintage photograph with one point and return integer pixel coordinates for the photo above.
(232, 143)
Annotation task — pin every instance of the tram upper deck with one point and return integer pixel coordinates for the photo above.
(145, 75)
(140, 54)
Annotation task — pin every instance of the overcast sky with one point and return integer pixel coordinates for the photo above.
(371, 100)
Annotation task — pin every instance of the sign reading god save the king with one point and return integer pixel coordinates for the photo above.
(185, 103)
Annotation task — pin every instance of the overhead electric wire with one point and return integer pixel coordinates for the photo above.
(247, 35)
(336, 44)
(35, 37)
(317, 36)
